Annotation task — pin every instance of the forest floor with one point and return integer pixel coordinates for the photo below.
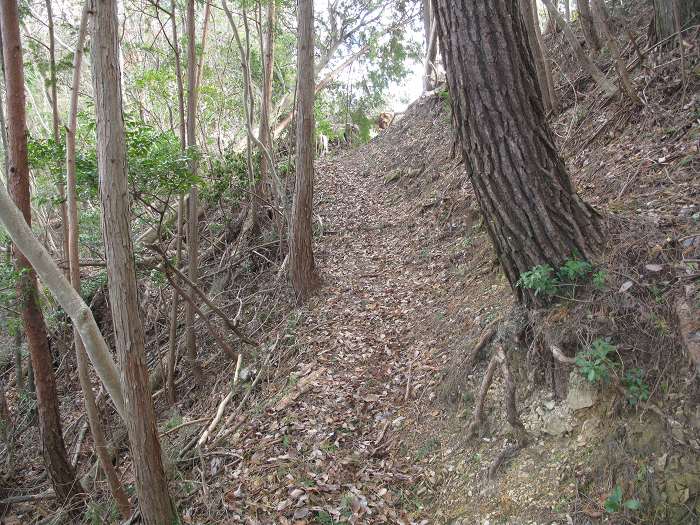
(365, 398)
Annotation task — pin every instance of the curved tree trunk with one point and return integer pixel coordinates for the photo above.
(151, 483)
(532, 211)
(302, 269)
(62, 475)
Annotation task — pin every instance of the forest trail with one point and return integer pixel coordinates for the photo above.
(364, 373)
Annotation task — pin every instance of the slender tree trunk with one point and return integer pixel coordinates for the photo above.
(172, 343)
(531, 209)
(56, 125)
(66, 485)
(544, 75)
(93, 415)
(266, 104)
(151, 483)
(430, 45)
(567, 10)
(601, 19)
(590, 32)
(192, 218)
(301, 256)
(581, 54)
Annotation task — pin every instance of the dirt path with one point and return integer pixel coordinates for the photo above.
(336, 448)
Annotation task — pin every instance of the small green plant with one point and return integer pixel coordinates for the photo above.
(599, 279)
(563, 282)
(541, 279)
(636, 389)
(574, 269)
(594, 364)
(614, 502)
(98, 513)
(173, 422)
(323, 518)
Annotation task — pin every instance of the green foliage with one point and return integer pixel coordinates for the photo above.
(541, 279)
(636, 389)
(324, 518)
(228, 177)
(574, 270)
(614, 502)
(594, 364)
(562, 283)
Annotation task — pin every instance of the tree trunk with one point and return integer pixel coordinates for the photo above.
(590, 33)
(192, 218)
(534, 37)
(601, 20)
(301, 256)
(67, 488)
(567, 10)
(93, 415)
(580, 53)
(56, 125)
(664, 19)
(531, 209)
(172, 334)
(266, 105)
(430, 45)
(151, 483)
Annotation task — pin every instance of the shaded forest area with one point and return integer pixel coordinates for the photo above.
(236, 287)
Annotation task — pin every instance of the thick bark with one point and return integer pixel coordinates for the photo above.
(302, 269)
(531, 209)
(665, 20)
(544, 75)
(192, 219)
(93, 415)
(151, 483)
(590, 32)
(56, 128)
(62, 475)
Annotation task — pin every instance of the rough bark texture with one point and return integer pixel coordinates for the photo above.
(62, 476)
(93, 415)
(302, 269)
(664, 19)
(151, 483)
(533, 213)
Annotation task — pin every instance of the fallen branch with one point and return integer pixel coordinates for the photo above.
(29, 497)
(222, 406)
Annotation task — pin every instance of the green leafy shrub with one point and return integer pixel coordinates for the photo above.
(594, 364)
(636, 388)
(562, 283)
(541, 279)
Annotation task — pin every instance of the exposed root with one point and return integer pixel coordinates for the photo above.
(477, 418)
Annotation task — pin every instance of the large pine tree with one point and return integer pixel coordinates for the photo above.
(532, 211)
